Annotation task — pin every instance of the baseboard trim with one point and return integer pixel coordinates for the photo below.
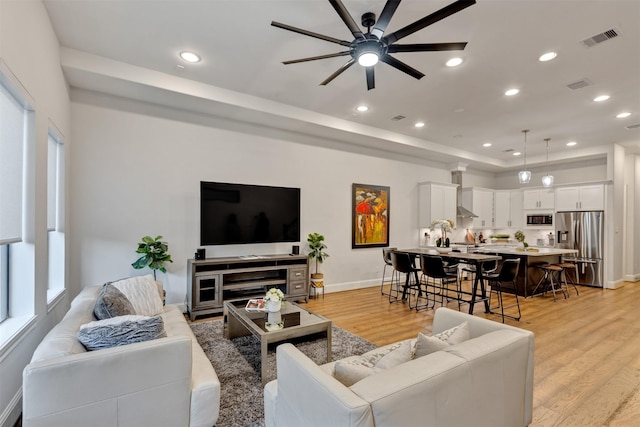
(615, 284)
(348, 286)
(632, 278)
(13, 410)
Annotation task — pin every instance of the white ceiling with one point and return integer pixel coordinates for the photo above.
(463, 107)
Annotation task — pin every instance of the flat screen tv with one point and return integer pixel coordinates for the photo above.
(239, 214)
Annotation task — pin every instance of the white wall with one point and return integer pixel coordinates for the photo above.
(136, 170)
(632, 232)
(30, 51)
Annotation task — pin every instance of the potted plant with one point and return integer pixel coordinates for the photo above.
(445, 226)
(519, 235)
(317, 253)
(154, 254)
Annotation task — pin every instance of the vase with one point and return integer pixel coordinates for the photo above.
(273, 306)
(274, 318)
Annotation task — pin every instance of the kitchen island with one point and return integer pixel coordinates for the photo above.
(529, 275)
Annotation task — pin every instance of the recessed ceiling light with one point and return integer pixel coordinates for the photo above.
(189, 56)
(486, 144)
(516, 153)
(512, 92)
(623, 115)
(454, 62)
(571, 144)
(362, 108)
(547, 56)
(419, 124)
(601, 98)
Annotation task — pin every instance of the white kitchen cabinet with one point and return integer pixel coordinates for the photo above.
(542, 198)
(480, 202)
(436, 201)
(508, 211)
(580, 198)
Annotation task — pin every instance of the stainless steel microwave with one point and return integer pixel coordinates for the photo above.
(540, 220)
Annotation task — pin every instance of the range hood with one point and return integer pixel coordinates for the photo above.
(461, 211)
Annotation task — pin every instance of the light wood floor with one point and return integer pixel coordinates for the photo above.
(587, 356)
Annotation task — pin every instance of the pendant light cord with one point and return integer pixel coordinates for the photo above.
(525, 148)
(547, 141)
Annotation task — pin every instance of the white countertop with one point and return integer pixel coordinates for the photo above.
(542, 251)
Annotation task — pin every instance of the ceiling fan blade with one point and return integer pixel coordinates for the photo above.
(371, 81)
(388, 59)
(338, 72)
(314, 58)
(426, 47)
(385, 17)
(310, 33)
(347, 19)
(428, 20)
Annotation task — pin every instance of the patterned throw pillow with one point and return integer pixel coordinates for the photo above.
(120, 330)
(430, 344)
(111, 303)
(352, 370)
(142, 292)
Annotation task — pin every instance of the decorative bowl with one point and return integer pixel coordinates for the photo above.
(443, 250)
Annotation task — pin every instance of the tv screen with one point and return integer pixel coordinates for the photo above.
(240, 213)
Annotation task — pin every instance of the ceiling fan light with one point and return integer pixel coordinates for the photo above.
(524, 177)
(547, 181)
(368, 59)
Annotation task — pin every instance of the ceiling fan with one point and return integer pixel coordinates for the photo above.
(373, 46)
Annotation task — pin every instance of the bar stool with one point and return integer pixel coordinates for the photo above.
(402, 264)
(488, 268)
(433, 268)
(549, 270)
(505, 279)
(386, 257)
(566, 267)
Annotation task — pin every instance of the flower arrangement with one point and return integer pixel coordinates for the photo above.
(446, 226)
(274, 294)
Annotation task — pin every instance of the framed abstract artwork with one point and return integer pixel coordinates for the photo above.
(370, 216)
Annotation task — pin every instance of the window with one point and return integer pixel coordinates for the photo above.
(13, 123)
(17, 209)
(55, 214)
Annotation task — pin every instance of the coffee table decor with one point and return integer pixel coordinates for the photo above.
(237, 363)
(274, 299)
(291, 322)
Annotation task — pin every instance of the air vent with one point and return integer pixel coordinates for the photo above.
(636, 126)
(398, 118)
(602, 37)
(579, 84)
(509, 150)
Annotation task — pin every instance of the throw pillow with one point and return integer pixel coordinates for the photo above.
(111, 303)
(142, 292)
(120, 330)
(427, 345)
(352, 370)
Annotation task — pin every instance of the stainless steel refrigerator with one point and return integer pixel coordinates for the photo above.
(583, 231)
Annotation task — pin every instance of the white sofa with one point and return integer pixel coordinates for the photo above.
(484, 381)
(163, 382)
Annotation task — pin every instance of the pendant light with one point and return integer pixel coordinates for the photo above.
(524, 176)
(547, 180)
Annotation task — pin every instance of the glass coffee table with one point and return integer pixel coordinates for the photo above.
(296, 322)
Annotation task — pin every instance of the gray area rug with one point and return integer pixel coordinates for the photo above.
(237, 363)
